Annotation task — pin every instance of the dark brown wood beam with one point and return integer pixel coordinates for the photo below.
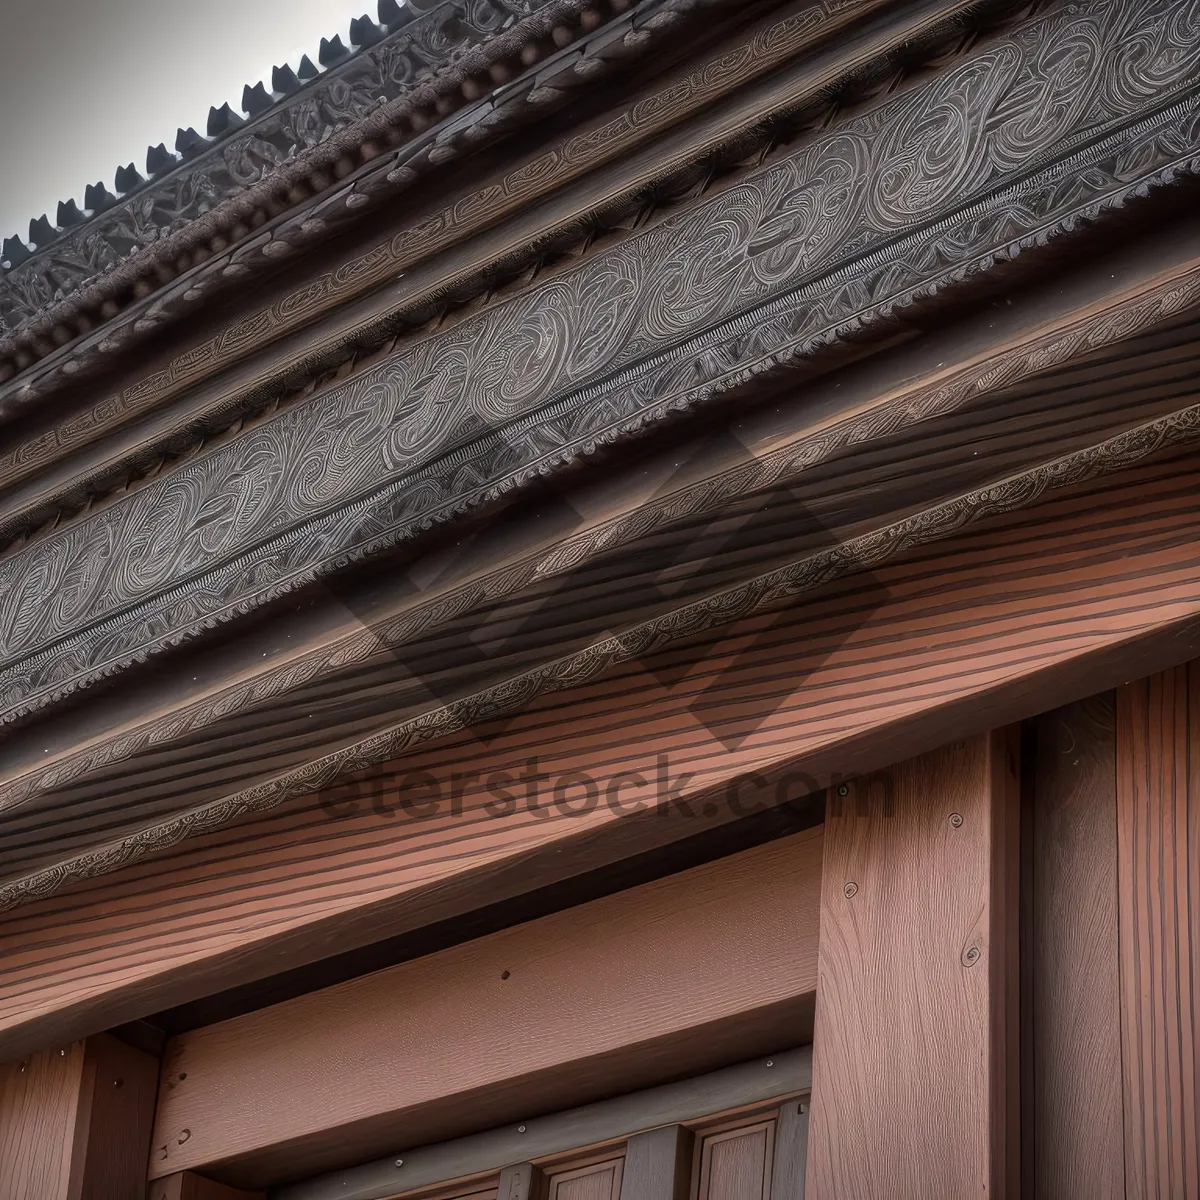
(915, 1050)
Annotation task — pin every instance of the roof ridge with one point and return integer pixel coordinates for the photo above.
(256, 100)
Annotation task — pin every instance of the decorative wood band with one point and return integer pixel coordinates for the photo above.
(812, 248)
(413, 71)
(436, 228)
(1080, 322)
(763, 592)
(205, 264)
(754, 1082)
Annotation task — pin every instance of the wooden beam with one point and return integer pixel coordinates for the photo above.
(1074, 1096)
(914, 1047)
(658, 1164)
(187, 1186)
(1158, 862)
(607, 1121)
(1029, 611)
(679, 975)
(75, 1122)
(522, 1181)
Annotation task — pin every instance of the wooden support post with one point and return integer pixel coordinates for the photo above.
(658, 1165)
(523, 1181)
(186, 1186)
(1073, 1099)
(1158, 862)
(791, 1150)
(914, 1058)
(75, 1122)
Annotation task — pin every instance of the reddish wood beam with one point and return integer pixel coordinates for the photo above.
(680, 975)
(75, 1122)
(914, 1056)
(1028, 611)
(1158, 857)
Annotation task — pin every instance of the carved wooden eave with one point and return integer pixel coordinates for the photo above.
(268, 547)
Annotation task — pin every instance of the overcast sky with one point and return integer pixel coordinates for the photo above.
(87, 85)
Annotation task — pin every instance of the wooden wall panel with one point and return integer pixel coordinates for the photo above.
(598, 1181)
(1074, 1093)
(689, 972)
(790, 1154)
(1158, 841)
(75, 1122)
(949, 640)
(186, 1186)
(907, 1081)
(736, 1164)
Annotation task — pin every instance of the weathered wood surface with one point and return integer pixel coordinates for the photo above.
(187, 1186)
(75, 1122)
(1158, 863)
(913, 1047)
(1075, 1093)
(790, 1154)
(941, 642)
(681, 975)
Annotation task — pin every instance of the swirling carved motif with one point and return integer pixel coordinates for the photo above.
(866, 552)
(356, 469)
(559, 164)
(336, 99)
(1160, 301)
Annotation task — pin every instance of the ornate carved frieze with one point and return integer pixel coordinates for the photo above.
(1030, 135)
(191, 257)
(339, 97)
(428, 232)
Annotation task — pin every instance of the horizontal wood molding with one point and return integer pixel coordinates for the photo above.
(1029, 610)
(187, 1186)
(1158, 857)
(686, 1102)
(913, 1050)
(711, 964)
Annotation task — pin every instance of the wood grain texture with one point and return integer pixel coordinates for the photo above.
(75, 1122)
(1158, 860)
(791, 1150)
(736, 1163)
(1076, 1122)
(39, 1123)
(597, 1181)
(658, 1162)
(599, 997)
(905, 1088)
(1031, 610)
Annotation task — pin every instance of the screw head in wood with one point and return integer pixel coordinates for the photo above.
(843, 790)
(851, 889)
(956, 820)
(399, 1162)
(520, 1128)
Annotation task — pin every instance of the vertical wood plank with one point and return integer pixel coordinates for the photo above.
(1158, 863)
(39, 1106)
(1075, 1024)
(658, 1165)
(75, 1122)
(520, 1182)
(917, 943)
(791, 1149)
